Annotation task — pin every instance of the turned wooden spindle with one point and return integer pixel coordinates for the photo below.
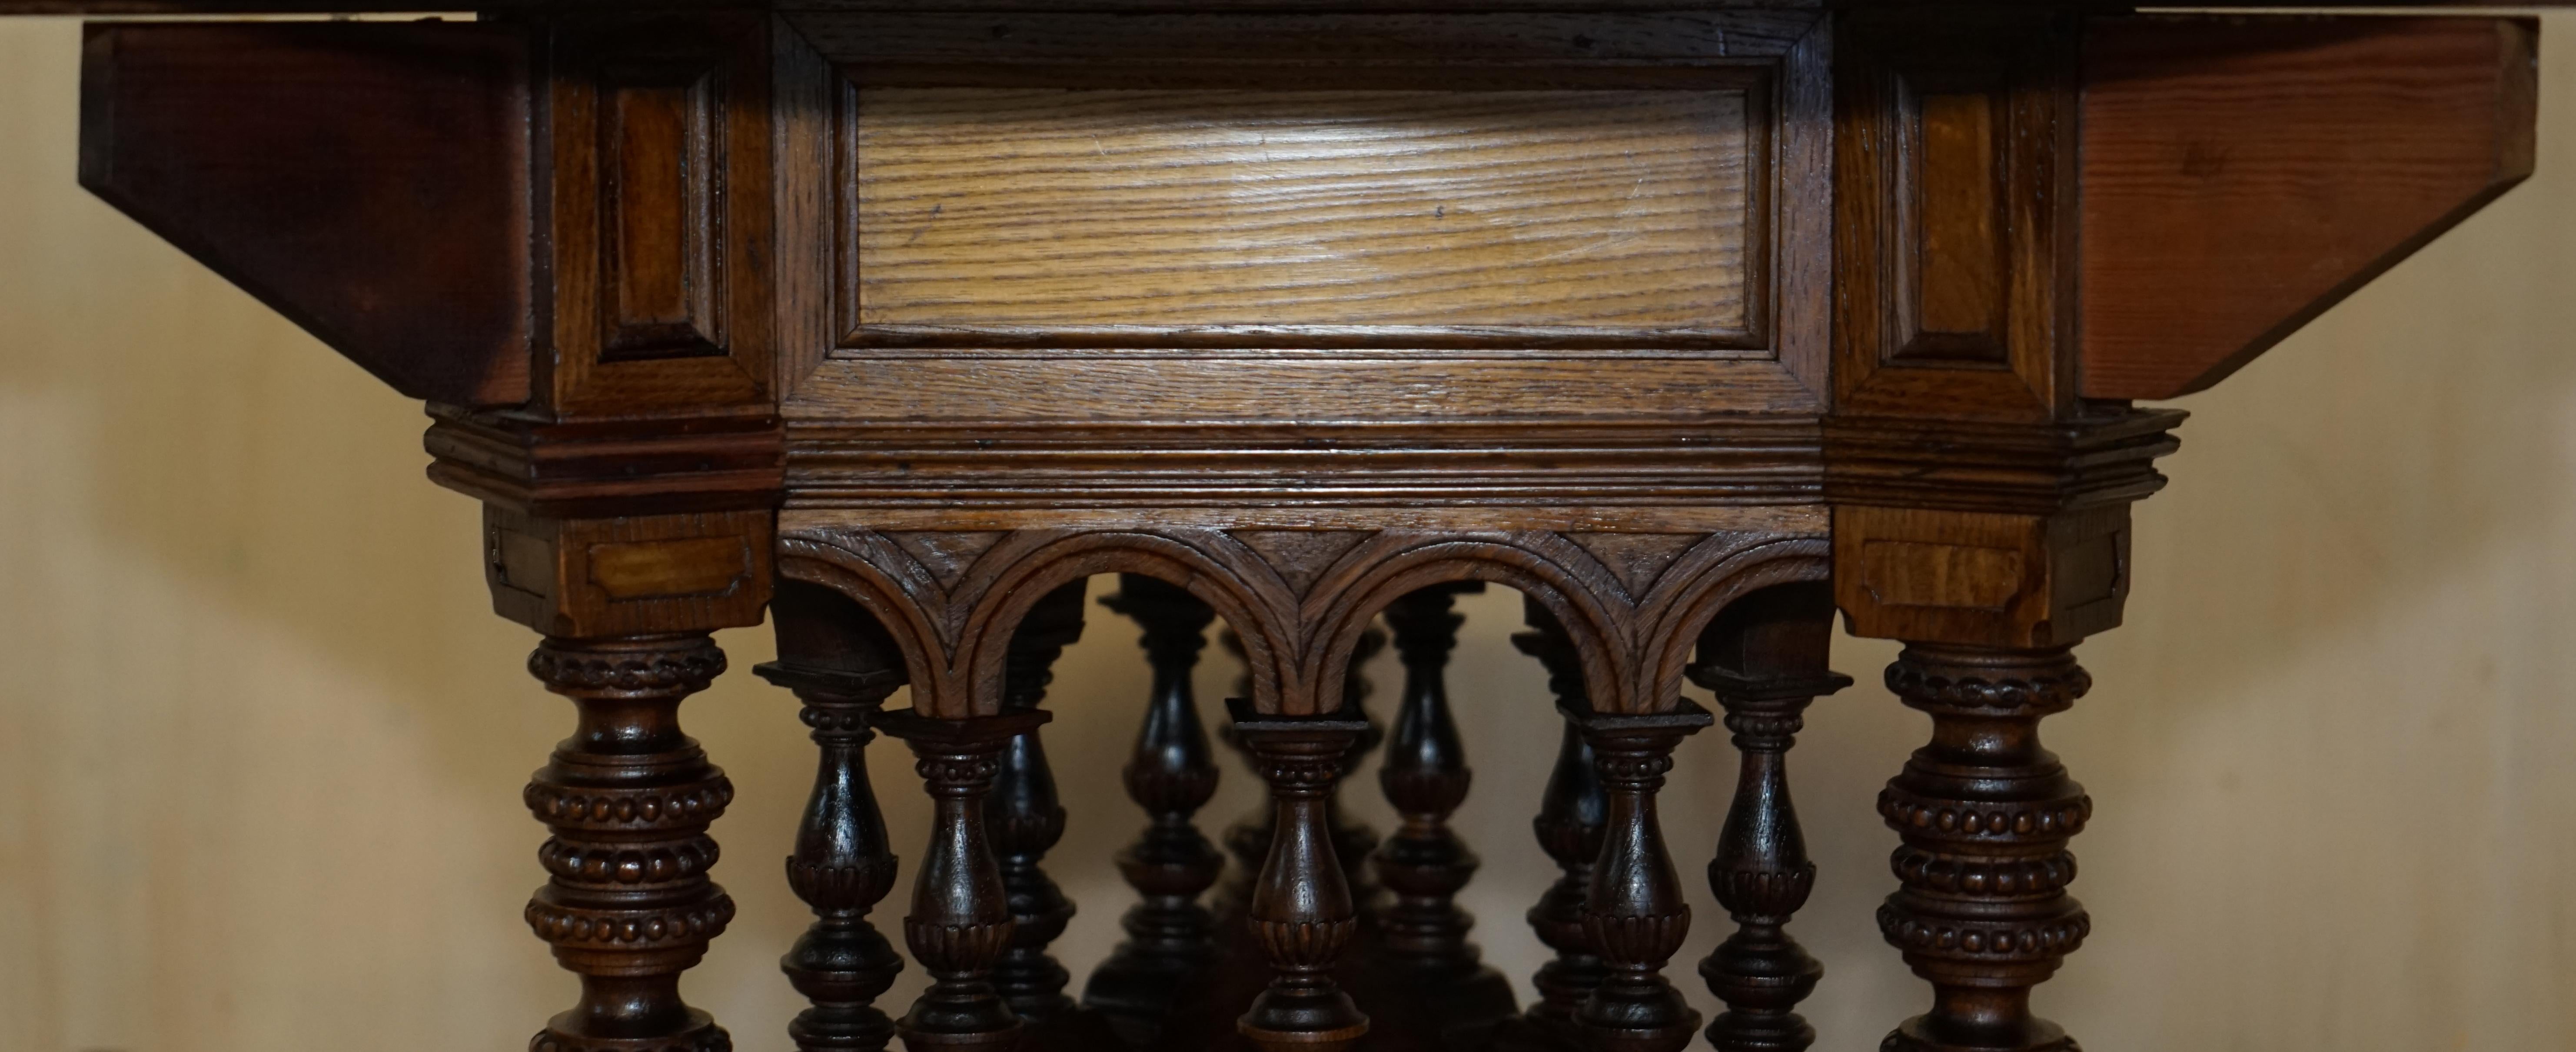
(1572, 814)
(842, 866)
(1301, 911)
(1249, 838)
(629, 798)
(1985, 813)
(1634, 915)
(1424, 863)
(1765, 660)
(1024, 817)
(960, 922)
(1170, 935)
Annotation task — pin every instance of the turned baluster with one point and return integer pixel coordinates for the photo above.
(629, 798)
(1248, 839)
(1634, 915)
(841, 867)
(1170, 775)
(1985, 813)
(1024, 818)
(1765, 660)
(1425, 864)
(1572, 815)
(1301, 911)
(961, 916)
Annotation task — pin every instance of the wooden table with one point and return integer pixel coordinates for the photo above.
(896, 322)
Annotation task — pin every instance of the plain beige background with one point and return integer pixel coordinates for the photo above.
(261, 740)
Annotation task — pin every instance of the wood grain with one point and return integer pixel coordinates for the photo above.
(2243, 175)
(1172, 216)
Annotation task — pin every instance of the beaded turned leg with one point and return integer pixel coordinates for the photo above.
(842, 867)
(1169, 935)
(1985, 814)
(1634, 915)
(1301, 910)
(1571, 818)
(629, 798)
(1765, 663)
(1025, 819)
(1424, 863)
(961, 917)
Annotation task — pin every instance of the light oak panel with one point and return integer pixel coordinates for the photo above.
(1164, 217)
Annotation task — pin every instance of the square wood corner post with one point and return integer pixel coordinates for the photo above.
(1981, 506)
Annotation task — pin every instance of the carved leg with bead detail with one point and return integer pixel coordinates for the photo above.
(629, 799)
(1985, 814)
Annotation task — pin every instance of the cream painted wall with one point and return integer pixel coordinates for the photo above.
(262, 740)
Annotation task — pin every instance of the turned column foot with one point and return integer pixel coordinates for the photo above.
(629, 799)
(1985, 814)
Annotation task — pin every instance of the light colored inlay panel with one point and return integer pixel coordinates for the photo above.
(1102, 213)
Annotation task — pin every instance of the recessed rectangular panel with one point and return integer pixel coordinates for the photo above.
(1306, 218)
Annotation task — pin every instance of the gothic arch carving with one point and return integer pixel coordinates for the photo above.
(1633, 603)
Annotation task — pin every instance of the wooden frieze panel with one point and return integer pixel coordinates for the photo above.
(1186, 217)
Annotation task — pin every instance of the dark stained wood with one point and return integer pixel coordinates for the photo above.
(1025, 818)
(842, 669)
(367, 181)
(1633, 913)
(1954, 182)
(1302, 910)
(629, 798)
(2241, 176)
(1765, 659)
(1985, 814)
(659, 226)
(961, 921)
(1424, 863)
(1572, 817)
(1170, 937)
(1688, 321)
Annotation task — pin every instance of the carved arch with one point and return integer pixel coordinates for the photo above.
(1557, 573)
(955, 629)
(1632, 603)
(1707, 580)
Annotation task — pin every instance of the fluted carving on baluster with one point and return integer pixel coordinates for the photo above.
(1025, 817)
(1170, 774)
(628, 798)
(960, 922)
(1634, 916)
(1572, 815)
(1301, 912)
(1248, 839)
(1985, 814)
(842, 866)
(1761, 873)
